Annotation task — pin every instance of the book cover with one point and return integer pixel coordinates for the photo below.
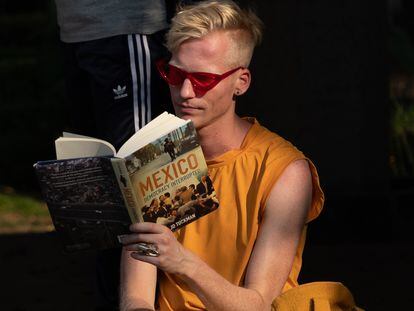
(85, 202)
(170, 178)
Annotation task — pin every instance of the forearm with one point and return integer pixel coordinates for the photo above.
(216, 292)
(137, 284)
(128, 304)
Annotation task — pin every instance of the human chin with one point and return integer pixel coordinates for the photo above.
(185, 112)
(179, 113)
(186, 115)
(196, 121)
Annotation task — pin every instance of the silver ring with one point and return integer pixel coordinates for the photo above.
(148, 249)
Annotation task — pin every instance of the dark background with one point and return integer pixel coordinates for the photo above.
(321, 78)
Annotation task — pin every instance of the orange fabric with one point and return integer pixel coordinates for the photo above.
(224, 239)
(317, 296)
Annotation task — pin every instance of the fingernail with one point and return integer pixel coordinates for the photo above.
(121, 238)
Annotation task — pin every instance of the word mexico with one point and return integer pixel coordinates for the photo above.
(167, 176)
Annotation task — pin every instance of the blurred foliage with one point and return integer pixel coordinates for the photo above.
(402, 104)
(25, 205)
(31, 89)
(20, 213)
(402, 139)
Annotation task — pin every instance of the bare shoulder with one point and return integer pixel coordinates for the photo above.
(296, 176)
(297, 171)
(293, 190)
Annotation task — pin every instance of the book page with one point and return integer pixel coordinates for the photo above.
(74, 147)
(158, 127)
(154, 122)
(69, 134)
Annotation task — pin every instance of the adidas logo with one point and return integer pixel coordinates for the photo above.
(120, 92)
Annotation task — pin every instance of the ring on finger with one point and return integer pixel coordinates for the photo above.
(148, 249)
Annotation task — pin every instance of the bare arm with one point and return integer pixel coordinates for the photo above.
(283, 223)
(271, 260)
(137, 286)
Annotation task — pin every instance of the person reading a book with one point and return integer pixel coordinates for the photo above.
(248, 251)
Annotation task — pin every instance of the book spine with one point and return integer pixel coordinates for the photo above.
(127, 189)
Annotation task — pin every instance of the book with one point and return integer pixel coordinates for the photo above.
(94, 193)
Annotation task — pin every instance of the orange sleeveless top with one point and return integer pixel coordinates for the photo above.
(224, 239)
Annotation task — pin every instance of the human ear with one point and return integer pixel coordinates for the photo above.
(242, 82)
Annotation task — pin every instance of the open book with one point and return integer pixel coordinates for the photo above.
(94, 193)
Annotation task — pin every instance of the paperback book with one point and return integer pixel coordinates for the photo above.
(94, 193)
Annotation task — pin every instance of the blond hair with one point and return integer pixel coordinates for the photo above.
(196, 21)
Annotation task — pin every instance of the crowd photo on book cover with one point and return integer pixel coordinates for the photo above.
(173, 183)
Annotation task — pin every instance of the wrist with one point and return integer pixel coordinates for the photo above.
(189, 266)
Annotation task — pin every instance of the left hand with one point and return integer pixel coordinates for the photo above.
(173, 257)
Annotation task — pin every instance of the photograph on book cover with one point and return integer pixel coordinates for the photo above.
(171, 177)
(85, 203)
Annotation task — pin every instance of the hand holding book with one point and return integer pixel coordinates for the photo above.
(163, 242)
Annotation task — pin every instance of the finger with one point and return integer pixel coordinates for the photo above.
(138, 237)
(148, 227)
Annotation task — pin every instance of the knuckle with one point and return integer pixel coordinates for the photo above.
(164, 240)
(134, 227)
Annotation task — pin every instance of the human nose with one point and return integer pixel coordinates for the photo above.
(187, 90)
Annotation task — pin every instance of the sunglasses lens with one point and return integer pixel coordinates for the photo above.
(204, 80)
(169, 73)
(175, 75)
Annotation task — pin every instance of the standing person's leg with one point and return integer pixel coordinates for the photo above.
(126, 88)
(160, 93)
(127, 93)
(78, 94)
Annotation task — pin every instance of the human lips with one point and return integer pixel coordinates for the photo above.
(188, 108)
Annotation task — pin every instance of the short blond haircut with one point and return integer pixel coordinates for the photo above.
(198, 20)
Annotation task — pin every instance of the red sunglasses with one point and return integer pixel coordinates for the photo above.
(202, 82)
